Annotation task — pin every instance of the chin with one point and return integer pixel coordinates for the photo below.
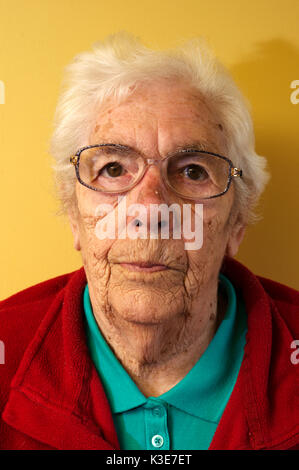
(144, 306)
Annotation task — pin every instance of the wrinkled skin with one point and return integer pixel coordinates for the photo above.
(158, 324)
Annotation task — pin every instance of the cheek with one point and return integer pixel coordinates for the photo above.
(217, 227)
(214, 222)
(215, 237)
(204, 264)
(89, 201)
(93, 250)
(91, 207)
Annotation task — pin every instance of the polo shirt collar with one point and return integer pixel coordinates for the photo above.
(200, 393)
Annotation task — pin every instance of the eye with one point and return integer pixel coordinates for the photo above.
(195, 172)
(113, 170)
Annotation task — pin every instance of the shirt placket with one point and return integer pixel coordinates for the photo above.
(156, 430)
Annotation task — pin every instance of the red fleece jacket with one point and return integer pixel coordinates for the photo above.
(52, 398)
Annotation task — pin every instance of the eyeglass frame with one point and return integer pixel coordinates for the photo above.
(233, 171)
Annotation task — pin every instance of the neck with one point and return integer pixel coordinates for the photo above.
(158, 356)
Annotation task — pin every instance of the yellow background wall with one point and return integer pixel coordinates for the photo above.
(257, 40)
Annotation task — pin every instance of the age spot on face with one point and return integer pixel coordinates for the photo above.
(104, 128)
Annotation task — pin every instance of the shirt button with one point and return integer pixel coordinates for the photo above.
(157, 411)
(157, 440)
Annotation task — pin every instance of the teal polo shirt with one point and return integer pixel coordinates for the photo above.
(186, 417)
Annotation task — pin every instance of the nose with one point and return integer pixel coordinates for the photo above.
(151, 191)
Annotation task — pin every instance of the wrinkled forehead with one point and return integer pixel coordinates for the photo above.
(159, 116)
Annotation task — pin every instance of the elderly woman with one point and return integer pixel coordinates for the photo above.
(154, 343)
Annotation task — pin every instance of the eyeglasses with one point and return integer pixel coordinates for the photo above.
(192, 174)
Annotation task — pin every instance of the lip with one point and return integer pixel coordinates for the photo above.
(144, 267)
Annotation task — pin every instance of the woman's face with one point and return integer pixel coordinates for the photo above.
(156, 120)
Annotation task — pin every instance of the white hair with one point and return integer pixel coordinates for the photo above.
(112, 69)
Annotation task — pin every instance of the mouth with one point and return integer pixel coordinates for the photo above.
(144, 267)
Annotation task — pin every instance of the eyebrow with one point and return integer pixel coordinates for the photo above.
(189, 146)
(116, 146)
(184, 147)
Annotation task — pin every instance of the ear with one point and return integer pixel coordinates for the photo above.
(73, 218)
(235, 239)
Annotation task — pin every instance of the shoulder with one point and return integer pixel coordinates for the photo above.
(21, 313)
(246, 279)
(35, 293)
(20, 317)
(22, 310)
(285, 298)
(260, 291)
